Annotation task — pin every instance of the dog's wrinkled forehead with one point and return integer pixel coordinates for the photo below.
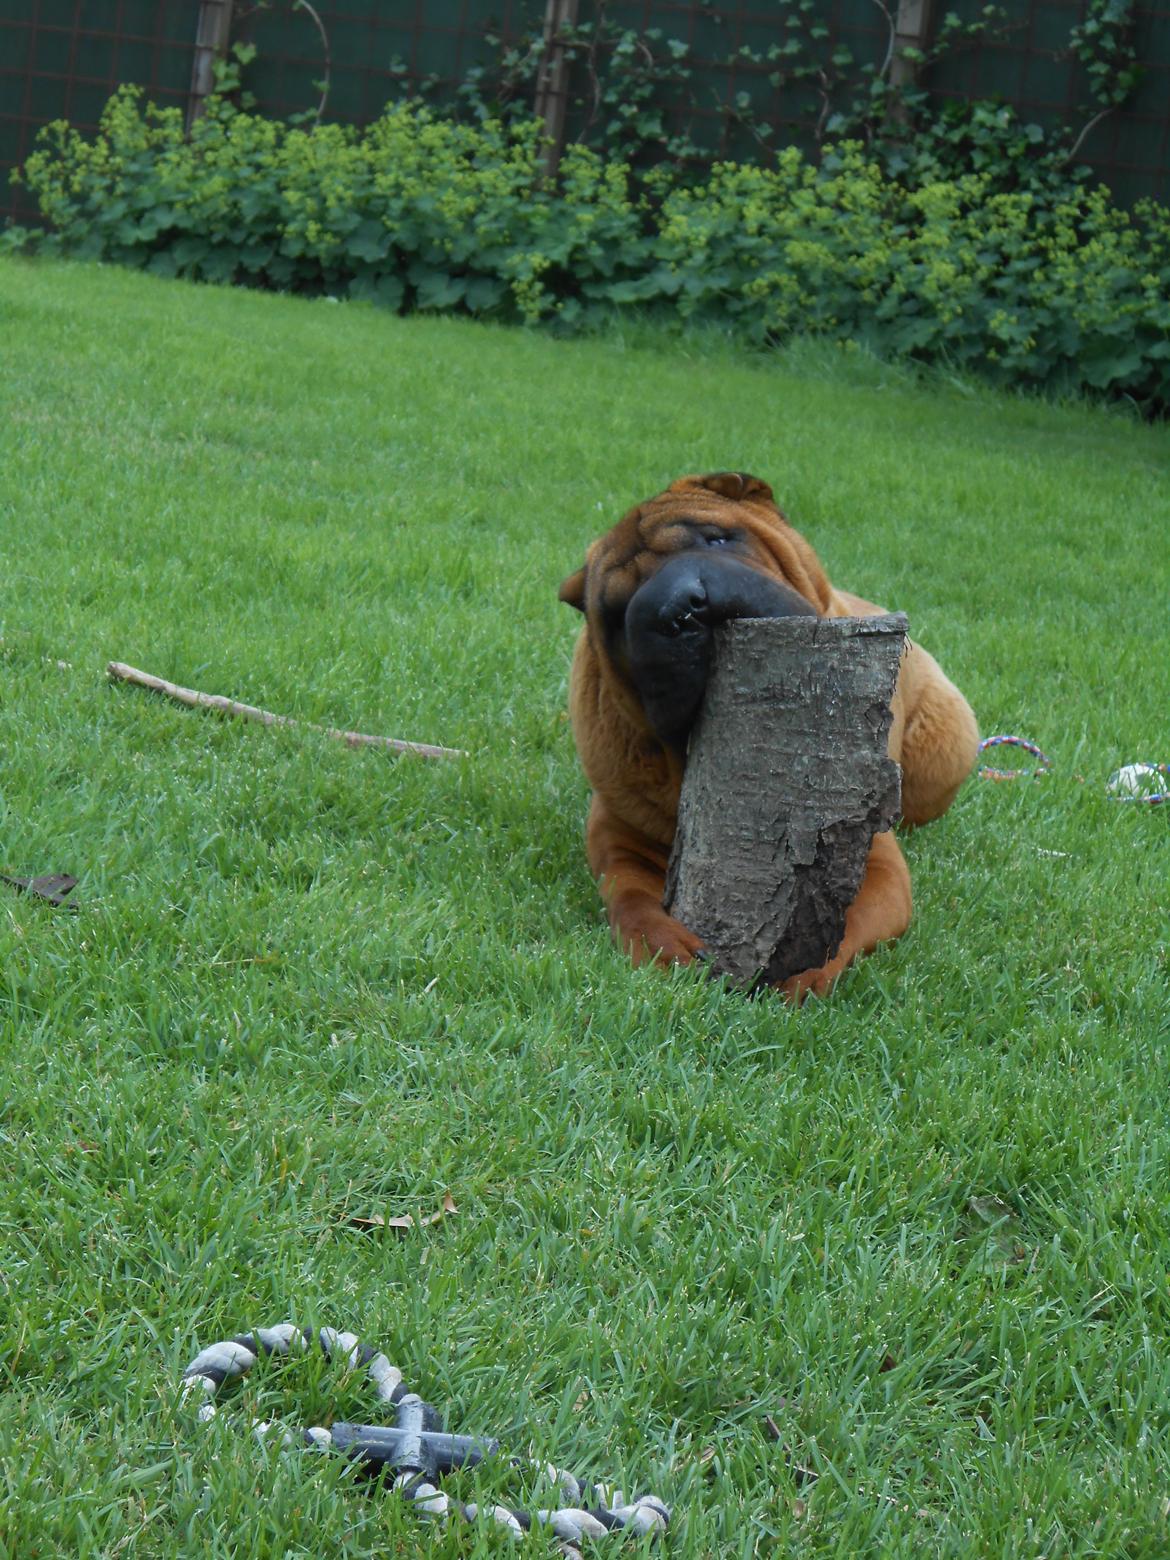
(683, 516)
(726, 510)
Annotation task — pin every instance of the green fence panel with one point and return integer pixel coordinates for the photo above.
(63, 58)
(1028, 64)
(736, 103)
(377, 51)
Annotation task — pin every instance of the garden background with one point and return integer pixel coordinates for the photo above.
(883, 1275)
(62, 59)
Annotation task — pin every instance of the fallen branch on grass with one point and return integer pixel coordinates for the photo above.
(214, 701)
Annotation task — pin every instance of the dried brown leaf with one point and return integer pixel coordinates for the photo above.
(404, 1221)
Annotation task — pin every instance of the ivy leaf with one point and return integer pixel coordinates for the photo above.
(436, 289)
(370, 241)
(221, 263)
(190, 252)
(1108, 368)
(484, 293)
(386, 290)
(255, 257)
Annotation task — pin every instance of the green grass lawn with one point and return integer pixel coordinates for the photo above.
(309, 983)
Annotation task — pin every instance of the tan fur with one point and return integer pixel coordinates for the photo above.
(636, 781)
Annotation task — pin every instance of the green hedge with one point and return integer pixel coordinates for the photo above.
(1052, 288)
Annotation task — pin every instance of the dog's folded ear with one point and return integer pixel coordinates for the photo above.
(572, 591)
(728, 484)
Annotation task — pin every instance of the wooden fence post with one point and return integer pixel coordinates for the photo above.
(211, 44)
(552, 81)
(911, 31)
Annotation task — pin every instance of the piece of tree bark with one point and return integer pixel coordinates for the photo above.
(55, 887)
(787, 781)
(216, 701)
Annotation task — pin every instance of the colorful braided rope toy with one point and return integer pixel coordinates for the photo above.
(414, 1453)
(987, 773)
(1148, 783)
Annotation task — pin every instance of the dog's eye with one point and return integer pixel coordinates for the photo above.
(717, 539)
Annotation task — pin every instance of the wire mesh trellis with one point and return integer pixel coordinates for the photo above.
(63, 58)
(1029, 65)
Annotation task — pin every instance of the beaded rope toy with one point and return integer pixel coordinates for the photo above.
(1123, 785)
(987, 773)
(415, 1452)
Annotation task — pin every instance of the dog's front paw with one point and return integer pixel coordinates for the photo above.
(811, 983)
(653, 936)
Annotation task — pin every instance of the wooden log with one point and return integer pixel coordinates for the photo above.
(787, 780)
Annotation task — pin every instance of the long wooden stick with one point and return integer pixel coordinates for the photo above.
(215, 701)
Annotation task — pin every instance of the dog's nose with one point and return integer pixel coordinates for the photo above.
(673, 600)
(687, 610)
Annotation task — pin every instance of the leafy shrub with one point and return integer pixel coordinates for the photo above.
(1048, 287)
(414, 212)
(1074, 293)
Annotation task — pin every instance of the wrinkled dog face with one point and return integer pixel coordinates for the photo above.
(655, 588)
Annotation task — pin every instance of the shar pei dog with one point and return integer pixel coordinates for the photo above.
(652, 591)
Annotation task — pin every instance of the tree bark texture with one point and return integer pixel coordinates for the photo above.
(787, 781)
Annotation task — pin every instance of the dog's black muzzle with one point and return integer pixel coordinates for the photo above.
(669, 624)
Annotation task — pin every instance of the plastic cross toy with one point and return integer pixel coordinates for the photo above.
(415, 1452)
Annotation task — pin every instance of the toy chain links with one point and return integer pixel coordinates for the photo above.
(415, 1452)
(1149, 783)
